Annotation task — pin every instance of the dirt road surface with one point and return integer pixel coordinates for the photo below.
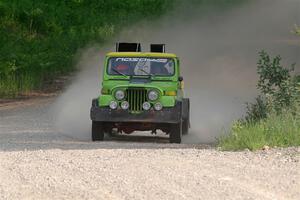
(36, 162)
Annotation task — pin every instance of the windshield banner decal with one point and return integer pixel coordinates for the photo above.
(162, 60)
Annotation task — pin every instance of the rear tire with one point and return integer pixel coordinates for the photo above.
(176, 133)
(185, 116)
(185, 126)
(97, 131)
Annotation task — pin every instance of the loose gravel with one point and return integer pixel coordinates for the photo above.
(39, 163)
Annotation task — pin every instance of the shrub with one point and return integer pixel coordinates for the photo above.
(278, 87)
(276, 82)
(256, 111)
(274, 118)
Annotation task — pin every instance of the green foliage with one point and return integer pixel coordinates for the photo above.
(256, 111)
(39, 39)
(276, 82)
(274, 118)
(278, 87)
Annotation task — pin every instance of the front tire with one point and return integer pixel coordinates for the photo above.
(176, 133)
(97, 131)
(185, 116)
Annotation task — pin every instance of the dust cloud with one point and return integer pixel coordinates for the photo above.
(218, 51)
(72, 109)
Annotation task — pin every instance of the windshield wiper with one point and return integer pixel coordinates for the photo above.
(149, 74)
(117, 71)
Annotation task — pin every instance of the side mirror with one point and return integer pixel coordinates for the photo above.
(180, 78)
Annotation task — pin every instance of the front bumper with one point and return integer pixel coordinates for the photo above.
(166, 115)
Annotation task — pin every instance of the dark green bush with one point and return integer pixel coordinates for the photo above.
(278, 86)
(276, 82)
(274, 118)
(256, 111)
(38, 39)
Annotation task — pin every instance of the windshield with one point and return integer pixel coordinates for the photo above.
(141, 66)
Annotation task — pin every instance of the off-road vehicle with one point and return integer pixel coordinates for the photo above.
(141, 91)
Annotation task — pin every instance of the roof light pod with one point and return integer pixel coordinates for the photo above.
(158, 48)
(128, 47)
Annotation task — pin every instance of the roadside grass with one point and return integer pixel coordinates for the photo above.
(275, 131)
(11, 86)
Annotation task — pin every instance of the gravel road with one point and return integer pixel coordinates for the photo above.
(39, 163)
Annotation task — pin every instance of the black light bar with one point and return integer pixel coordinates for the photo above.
(158, 48)
(128, 47)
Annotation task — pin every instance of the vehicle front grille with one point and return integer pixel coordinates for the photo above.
(136, 97)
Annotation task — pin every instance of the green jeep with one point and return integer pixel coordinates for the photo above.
(141, 91)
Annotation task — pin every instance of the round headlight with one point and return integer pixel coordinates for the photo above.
(153, 95)
(120, 94)
(113, 105)
(158, 106)
(124, 105)
(146, 106)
